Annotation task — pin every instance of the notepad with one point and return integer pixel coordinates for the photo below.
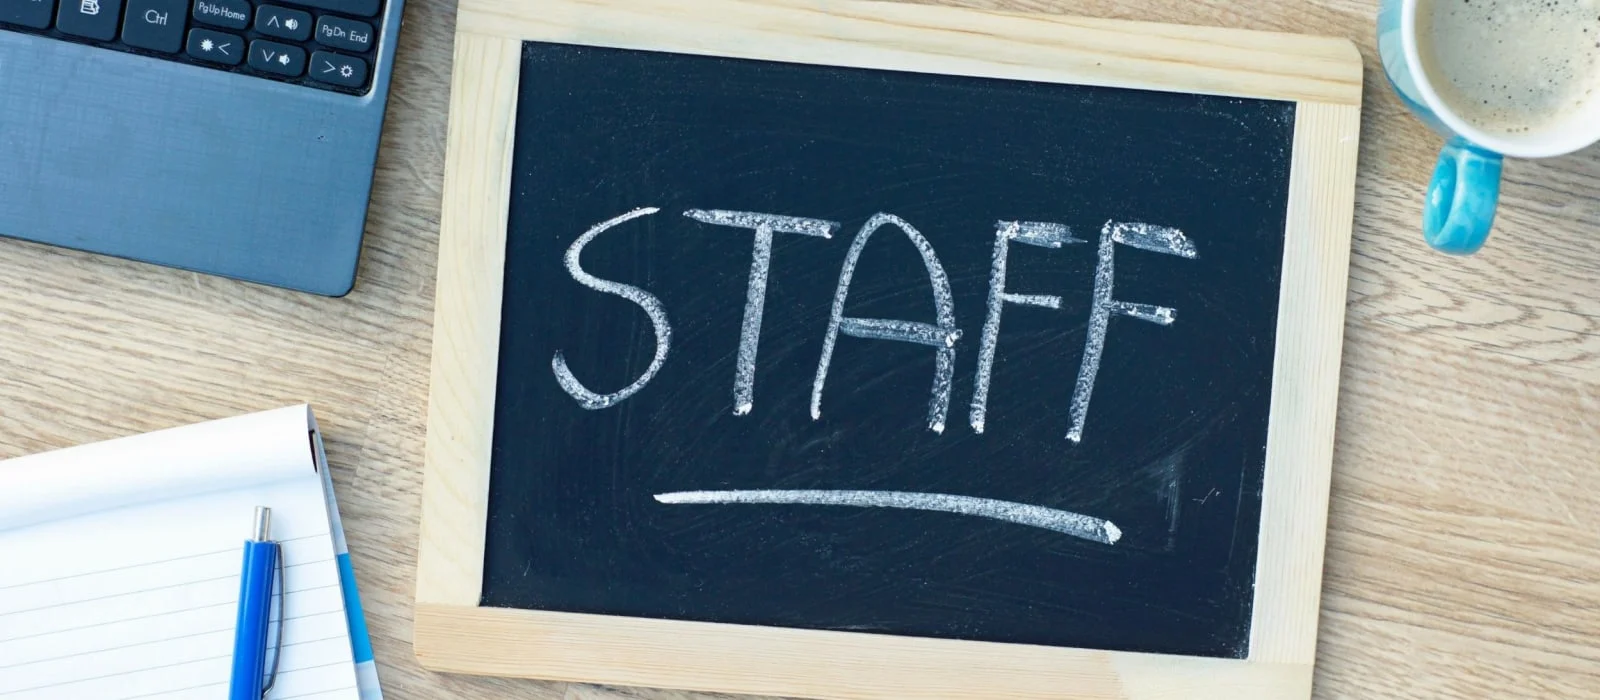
(120, 561)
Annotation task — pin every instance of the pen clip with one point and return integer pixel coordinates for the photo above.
(283, 599)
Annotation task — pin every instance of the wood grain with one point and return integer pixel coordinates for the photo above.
(466, 326)
(1463, 542)
(948, 40)
(815, 663)
(1300, 433)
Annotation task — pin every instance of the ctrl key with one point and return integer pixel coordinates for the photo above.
(156, 25)
(338, 69)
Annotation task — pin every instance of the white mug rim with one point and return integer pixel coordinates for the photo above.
(1573, 139)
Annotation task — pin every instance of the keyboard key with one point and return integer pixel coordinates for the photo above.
(91, 19)
(282, 22)
(233, 14)
(155, 24)
(336, 69)
(273, 57)
(360, 8)
(216, 47)
(28, 13)
(333, 43)
(340, 33)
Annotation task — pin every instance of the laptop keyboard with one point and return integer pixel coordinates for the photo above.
(327, 44)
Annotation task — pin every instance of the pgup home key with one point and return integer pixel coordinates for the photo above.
(233, 14)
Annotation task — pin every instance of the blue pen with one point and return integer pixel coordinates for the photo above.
(250, 680)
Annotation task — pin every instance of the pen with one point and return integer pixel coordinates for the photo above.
(250, 680)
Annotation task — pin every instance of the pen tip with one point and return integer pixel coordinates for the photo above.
(263, 525)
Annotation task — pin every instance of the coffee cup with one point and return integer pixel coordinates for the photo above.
(1496, 78)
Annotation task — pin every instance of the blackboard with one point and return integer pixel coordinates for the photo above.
(628, 480)
(1114, 507)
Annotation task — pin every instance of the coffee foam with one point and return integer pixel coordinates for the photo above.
(1512, 66)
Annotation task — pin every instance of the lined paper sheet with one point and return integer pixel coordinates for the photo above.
(140, 601)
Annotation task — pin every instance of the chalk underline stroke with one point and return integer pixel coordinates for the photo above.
(1062, 521)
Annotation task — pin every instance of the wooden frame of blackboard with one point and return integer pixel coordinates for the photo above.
(453, 633)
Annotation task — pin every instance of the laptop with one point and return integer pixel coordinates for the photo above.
(229, 137)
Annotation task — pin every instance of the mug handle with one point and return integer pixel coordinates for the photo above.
(1460, 204)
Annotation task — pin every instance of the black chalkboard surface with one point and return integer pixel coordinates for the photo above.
(661, 448)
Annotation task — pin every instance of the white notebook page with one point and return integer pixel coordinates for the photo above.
(140, 601)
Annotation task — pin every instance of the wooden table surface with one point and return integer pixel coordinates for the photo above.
(1464, 536)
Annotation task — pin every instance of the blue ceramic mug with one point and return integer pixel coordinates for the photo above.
(1459, 207)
